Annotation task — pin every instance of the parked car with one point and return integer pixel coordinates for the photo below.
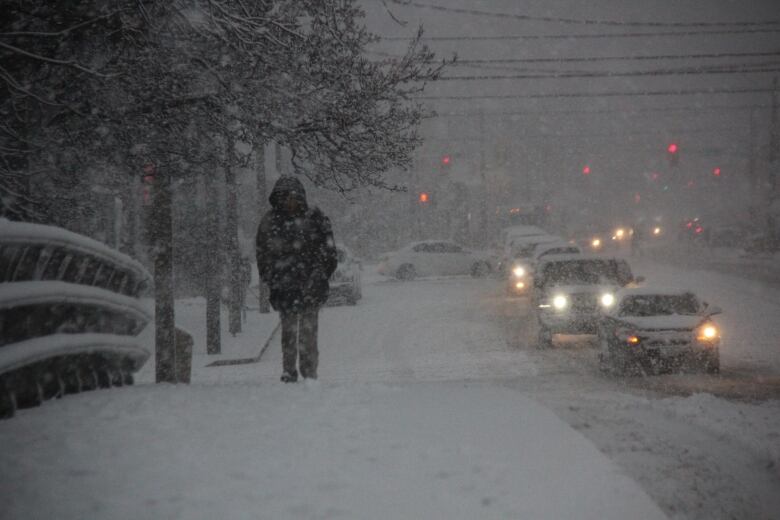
(652, 326)
(520, 276)
(434, 257)
(346, 282)
(571, 291)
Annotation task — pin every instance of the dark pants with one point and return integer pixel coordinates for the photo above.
(299, 337)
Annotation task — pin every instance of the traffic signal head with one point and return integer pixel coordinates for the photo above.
(446, 160)
(716, 172)
(586, 170)
(424, 197)
(673, 154)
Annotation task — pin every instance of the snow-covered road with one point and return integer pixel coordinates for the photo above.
(432, 402)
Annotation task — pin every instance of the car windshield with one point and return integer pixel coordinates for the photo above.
(659, 305)
(583, 272)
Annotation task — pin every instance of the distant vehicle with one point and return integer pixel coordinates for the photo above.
(571, 291)
(519, 242)
(346, 281)
(652, 326)
(520, 276)
(543, 251)
(512, 233)
(435, 257)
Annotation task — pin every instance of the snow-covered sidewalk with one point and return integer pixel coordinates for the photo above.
(428, 450)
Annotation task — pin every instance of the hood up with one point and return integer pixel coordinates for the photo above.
(285, 186)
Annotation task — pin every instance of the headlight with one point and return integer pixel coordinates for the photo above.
(560, 302)
(708, 333)
(628, 336)
(518, 271)
(607, 300)
(619, 233)
(596, 243)
(656, 231)
(519, 285)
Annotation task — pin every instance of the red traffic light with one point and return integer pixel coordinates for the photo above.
(445, 160)
(716, 172)
(586, 170)
(424, 197)
(672, 148)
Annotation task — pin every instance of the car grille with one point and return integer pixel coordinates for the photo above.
(668, 339)
(585, 302)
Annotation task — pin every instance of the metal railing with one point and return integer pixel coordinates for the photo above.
(70, 313)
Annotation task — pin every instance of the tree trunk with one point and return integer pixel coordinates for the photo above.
(235, 303)
(214, 270)
(162, 233)
(262, 198)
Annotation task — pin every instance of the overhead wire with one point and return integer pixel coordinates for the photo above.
(621, 58)
(656, 34)
(584, 21)
(648, 93)
(738, 69)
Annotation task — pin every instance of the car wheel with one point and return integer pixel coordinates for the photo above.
(545, 338)
(604, 358)
(711, 363)
(7, 401)
(480, 269)
(615, 362)
(406, 272)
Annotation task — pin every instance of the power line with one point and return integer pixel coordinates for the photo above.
(613, 74)
(472, 113)
(585, 21)
(584, 36)
(684, 92)
(621, 58)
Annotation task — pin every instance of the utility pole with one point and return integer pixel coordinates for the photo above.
(483, 176)
(774, 163)
(774, 142)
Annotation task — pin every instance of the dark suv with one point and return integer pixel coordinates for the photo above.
(570, 292)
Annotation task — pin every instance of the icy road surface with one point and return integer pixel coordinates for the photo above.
(433, 402)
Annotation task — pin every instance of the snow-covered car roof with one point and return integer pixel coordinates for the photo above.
(577, 257)
(653, 291)
(549, 246)
(521, 231)
(429, 241)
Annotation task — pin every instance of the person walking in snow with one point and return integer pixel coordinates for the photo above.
(296, 255)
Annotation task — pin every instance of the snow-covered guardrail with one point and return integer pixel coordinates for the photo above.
(69, 315)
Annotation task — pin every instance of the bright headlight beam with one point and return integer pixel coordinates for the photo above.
(607, 299)
(560, 302)
(709, 332)
(518, 271)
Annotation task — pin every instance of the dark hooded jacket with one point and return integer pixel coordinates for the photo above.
(296, 253)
